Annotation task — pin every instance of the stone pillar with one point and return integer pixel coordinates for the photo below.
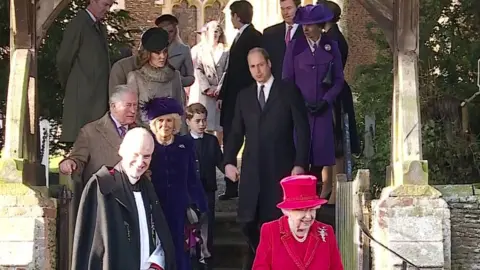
(27, 228)
(410, 218)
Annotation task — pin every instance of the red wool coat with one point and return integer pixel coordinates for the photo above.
(278, 249)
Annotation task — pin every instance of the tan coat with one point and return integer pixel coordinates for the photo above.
(178, 56)
(97, 144)
(120, 70)
(83, 70)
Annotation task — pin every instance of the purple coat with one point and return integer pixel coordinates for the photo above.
(308, 71)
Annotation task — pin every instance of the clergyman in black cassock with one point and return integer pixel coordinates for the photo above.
(120, 224)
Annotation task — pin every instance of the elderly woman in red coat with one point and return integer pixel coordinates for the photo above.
(297, 240)
(314, 63)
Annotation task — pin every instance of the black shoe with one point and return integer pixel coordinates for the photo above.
(226, 197)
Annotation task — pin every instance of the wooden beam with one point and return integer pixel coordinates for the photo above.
(47, 11)
(408, 166)
(19, 24)
(16, 104)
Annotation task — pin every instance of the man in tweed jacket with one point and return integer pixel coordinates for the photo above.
(98, 142)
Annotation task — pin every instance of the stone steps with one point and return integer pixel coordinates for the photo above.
(229, 246)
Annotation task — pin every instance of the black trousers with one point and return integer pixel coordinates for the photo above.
(231, 188)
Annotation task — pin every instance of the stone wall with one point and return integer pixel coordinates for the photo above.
(464, 203)
(27, 228)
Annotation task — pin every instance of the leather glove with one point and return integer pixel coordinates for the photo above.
(317, 109)
(322, 106)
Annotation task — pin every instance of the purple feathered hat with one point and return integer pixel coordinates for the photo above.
(313, 14)
(157, 107)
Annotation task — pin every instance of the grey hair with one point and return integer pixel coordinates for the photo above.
(119, 91)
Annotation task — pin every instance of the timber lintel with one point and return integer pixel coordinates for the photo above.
(47, 12)
(21, 25)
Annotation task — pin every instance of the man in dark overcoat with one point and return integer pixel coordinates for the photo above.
(276, 37)
(120, 224)
(83, 65)
(238, 75)
(272, 116)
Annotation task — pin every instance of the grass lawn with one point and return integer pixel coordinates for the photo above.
(53, 163)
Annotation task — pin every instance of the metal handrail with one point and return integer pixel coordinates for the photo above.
(366, 232)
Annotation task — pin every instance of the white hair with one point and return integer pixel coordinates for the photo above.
(119, 92)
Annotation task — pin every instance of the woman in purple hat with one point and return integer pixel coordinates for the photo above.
(297, 240)
(314, 63)
(174, 174)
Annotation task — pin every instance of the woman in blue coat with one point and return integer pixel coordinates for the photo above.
(174, 172)
(314, 63)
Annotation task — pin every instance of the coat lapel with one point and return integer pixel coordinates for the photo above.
(313, 244)
(289, 243)
(313, 241)
(107, 128)
(272, 96)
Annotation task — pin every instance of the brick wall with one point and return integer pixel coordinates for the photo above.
(361, 50)
(144, 12)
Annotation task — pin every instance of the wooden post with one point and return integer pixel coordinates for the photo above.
(351, 205)
(407, 165)
(20, 160)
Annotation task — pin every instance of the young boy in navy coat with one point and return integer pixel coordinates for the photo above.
(209, 157)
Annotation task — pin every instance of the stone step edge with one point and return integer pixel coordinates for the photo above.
(225, 216)
(231, 241)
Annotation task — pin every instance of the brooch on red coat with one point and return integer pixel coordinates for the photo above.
(327, 47)
(323, 233)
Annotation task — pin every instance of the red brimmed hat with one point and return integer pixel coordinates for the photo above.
(300, 192)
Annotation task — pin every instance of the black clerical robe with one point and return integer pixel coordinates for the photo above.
(107, 234)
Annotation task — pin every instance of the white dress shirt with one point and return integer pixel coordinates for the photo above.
(240, 31)
(266, 89)
(311, 43)
(292, 32)
(195, 135)
(118, 125)
(146, 259)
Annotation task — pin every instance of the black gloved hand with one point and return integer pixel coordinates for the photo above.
(311, 107)
(318, 108)
(322, 106)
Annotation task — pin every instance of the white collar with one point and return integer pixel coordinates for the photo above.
(267, 84)
(294, 26)
(196, 136)
(117, 124)
(311, 42)
(240, 31)
(91, 15)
